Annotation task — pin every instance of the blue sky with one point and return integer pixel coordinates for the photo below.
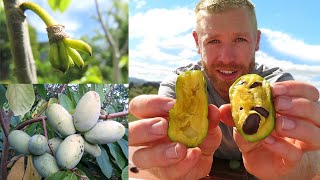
(161, 40)
(79, 18)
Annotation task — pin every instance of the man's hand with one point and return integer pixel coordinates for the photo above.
(159, 155)
(297, 131)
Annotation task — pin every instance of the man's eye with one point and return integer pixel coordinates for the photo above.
(240, 40)
(214, 41)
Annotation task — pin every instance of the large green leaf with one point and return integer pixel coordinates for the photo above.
(116, 152)
(99, 89)
(41, 90)
(104, 163)
(66, 103)
(124, 146)
(61, 5)
(20, 98)
(3, 98)
(124, 174)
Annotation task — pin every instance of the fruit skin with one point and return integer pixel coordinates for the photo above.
(60, 120)
(188, 119)
(54, 143)
(105, 132)
(37, 144)
(87, 111)
(259, 96)
(45, 164)
(70, 151)
(18, 140)
(92, 149)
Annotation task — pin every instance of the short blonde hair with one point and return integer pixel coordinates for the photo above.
(209, 7)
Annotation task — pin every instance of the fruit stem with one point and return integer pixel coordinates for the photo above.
(46, 135)
(47, 19)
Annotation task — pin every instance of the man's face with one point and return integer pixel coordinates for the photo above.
(227, 43)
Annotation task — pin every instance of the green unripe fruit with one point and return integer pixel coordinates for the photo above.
(37, 144)
(45, 164)
(105, 132)
(60, 120)
(87, 111)
(70, 151)
(54, 143)
(18, 140)
(92, 149)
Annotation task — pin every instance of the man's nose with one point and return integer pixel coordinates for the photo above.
(227, 54)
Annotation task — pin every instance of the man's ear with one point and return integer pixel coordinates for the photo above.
(195, 37)
(258, 40)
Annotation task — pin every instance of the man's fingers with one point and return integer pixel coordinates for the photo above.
(214, 136)
(160, 155)
(295, 89)
(298, 107)
(283, 149)
(225, 115)
(147, 130)
(304, 131)
(147, 106)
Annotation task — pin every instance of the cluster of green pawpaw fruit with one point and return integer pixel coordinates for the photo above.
(82, 132)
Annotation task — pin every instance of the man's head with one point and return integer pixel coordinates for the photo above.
(227, 37)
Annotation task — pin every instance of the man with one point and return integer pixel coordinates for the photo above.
(227, 38)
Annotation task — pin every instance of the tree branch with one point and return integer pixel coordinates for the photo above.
(18, 33)
(5, 150)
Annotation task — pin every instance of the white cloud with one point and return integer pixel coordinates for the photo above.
(300, 72)
(139, 3)
(288, 45)
(161, 23)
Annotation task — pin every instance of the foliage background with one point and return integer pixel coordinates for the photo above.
(113, 162)
(99, 68)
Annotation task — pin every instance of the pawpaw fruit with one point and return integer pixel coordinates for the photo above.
(105, 132)
(18, 140)
(252, 107)
(188, 119)
(45, 164)
(54, 143)
(37, 144)
(60, 120)
(87, 111)
(70, 151)
(92, 149)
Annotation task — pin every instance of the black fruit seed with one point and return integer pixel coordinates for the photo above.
(255, 84)
(251, 124)
(261, 111)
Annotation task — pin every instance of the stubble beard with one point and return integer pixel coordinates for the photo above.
(222, 87)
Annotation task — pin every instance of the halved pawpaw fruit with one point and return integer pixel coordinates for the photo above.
(188, 123)
(252, 107)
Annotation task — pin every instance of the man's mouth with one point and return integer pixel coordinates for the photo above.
(226, 72)
(227, 75)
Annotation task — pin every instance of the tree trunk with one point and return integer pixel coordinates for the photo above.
(24, 65)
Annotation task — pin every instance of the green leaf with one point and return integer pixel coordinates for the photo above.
(124, 174)
(60, 175)
(20, 98)
(41, 90)
(83, 88)
(3, 98)
(124, 146)
(64, 5)
(123, 62)
(99, 89)
(118, 155)
(104, 163)
(70, 93)
(110, 109)
(66, 103)
(52, 4)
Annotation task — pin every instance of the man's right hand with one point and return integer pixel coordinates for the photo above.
(158, 154)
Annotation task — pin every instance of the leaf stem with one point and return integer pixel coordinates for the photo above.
(47, 19)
